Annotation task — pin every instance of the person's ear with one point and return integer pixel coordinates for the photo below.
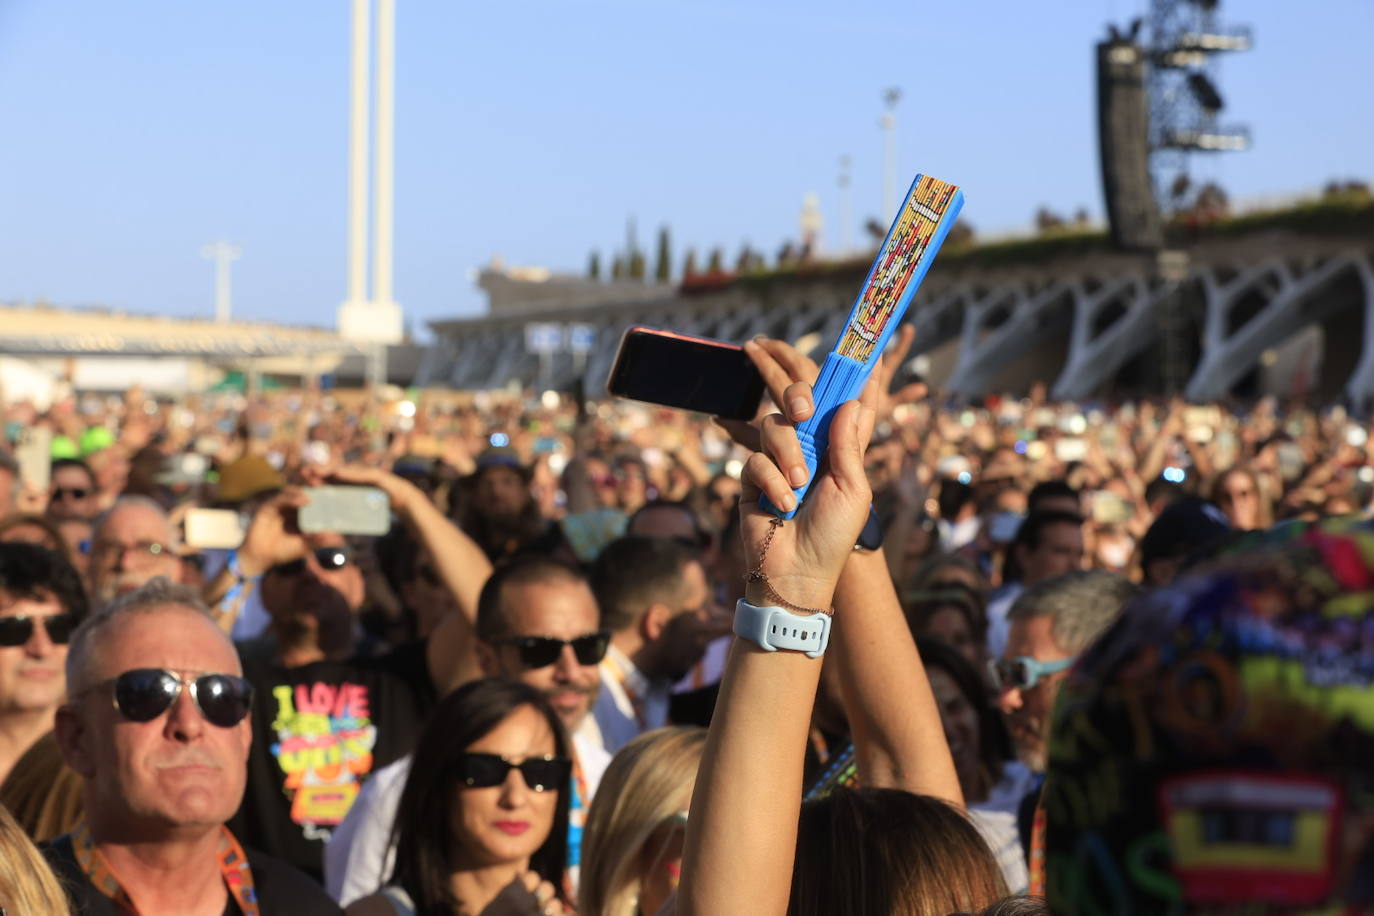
(73, 740)
(655, 621)
(487, 661)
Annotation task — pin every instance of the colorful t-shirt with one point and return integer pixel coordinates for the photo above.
(319, 731)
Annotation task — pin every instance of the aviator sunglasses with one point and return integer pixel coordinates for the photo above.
(143, 694)
(19, 629)
(542, 651)
(482, 771)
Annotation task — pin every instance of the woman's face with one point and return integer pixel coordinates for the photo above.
(507, 823)
(950, 625)
(960, 720)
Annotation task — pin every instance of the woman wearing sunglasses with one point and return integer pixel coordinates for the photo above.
(482, 828)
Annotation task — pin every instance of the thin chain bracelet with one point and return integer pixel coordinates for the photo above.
(757, 575)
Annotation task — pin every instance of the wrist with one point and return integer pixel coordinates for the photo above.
(796, 592)
(245, 565)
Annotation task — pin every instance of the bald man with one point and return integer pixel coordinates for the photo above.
(133, 544)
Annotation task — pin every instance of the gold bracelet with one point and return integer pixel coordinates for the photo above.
(757, 575)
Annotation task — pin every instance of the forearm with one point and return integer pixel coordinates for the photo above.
(742, 831)
(899, 741)
(460, 564)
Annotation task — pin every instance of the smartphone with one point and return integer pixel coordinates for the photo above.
(346, 510)
(185, 469)
(1070, 450)
(689, 373)
(34, 455)
(1110, 509)
(213, 529)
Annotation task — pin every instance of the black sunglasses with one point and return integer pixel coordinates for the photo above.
(542, 651)
(329, 558)
(73, 492)
(482, 771)
(143, 694)
(19, 629)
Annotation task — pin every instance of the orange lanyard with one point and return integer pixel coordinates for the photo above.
(622, 678)
(233, 865)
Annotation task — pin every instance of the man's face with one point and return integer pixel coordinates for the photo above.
(318, 597)
(132, 547)
(501, 493)
(178, 770)
(695, 623)
(563, 609)
(32, 677)
(1028, 711)
(1060, 551)
(73, 494)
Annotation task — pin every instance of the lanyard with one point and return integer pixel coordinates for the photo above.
(622, 679)
(233, 865)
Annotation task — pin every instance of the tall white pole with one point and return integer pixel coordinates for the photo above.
(382, 176)
(223, 254)
(889, 124)
(357, 156)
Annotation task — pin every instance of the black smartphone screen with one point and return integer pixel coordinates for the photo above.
(688, 373)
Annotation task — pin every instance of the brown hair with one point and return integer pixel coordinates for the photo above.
(865, 851)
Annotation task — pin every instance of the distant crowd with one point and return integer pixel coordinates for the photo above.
(1025, 656)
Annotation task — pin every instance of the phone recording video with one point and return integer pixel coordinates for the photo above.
(689, 373)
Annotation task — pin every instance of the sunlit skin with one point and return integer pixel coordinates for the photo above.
(117, 566)
(1028, 711)
(504, 825)
(960, 720)
(32, 680)
(176, 772)
(501, 493)
(562, 609)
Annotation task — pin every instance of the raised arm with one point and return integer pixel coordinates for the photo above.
(462, 567)
(742, 832)
(899, 742)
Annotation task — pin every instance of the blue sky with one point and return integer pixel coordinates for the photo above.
(532, 129)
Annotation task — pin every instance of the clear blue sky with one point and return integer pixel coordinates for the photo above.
(135, 133)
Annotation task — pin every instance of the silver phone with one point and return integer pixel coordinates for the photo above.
(346, 510)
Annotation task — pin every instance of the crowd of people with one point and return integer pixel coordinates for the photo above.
(1016, 657)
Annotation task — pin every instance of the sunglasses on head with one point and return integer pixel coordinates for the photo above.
(541, 774)
(329, 558)
(19, 629)
(143, 694)
(542, 651)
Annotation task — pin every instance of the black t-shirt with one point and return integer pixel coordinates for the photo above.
(319, 731)
(281, 889)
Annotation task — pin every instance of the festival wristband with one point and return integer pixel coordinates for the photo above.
(918, 231)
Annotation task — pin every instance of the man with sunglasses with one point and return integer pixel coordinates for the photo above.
(537, 622)
(327, 715)
(41, 602)
(73, 494)
(1052, 623)
(157, 726)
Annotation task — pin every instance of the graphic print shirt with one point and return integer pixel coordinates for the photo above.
(319, 731)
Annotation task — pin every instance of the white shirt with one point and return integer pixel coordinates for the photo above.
(629, 704)
(358, 855)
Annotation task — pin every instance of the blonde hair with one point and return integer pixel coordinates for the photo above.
(648, 782)
(27, 884)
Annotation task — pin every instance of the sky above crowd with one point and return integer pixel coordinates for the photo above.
(533, 130)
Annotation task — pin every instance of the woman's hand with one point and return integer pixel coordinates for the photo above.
(805, 556)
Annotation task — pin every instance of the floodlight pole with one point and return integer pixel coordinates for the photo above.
(891, 97)
(223, 254)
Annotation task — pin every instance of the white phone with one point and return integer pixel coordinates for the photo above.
(34, 455)
(214, 529)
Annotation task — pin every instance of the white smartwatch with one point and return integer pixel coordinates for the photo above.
(775, 628)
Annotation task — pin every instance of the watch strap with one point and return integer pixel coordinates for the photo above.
(774, 628)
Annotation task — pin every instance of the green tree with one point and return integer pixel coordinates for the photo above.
(717, 262)
(689, 264)
(636, 269)
(594, 266)
(617, 268)
(663, 270)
